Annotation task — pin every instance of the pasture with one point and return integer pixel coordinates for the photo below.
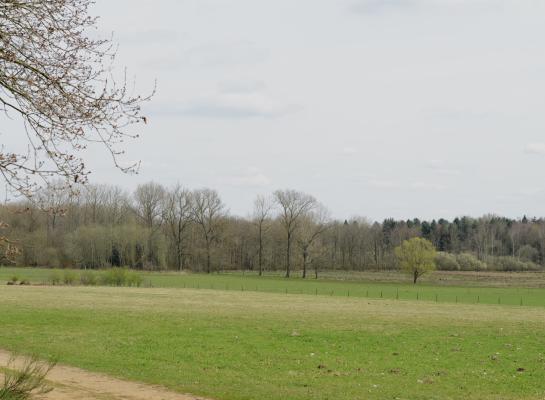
(234, 344)
(444, 287)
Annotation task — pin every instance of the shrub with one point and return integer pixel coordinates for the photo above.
(120, 277)
(69, 277)
(24, 282)
(21, 383)
(528, 253)
(14, 279)
(134, 279)
(88, 278)
(114, 277)
(55, 278)
(511, 264)
(468, 262)
(446, 262)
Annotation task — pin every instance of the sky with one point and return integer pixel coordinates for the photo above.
(378, 108)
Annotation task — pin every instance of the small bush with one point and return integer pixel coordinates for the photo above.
(69, 277)
(120, 277)
(21, 383)
(468, 262)
(14, 279)
(24, 282)
(114, 277)
(134, 279)
(55, 278)
(511, 264)
(528, 253)
(88, 278)
(446, 262)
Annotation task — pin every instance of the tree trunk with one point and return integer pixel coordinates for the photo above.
(415, 277)
(207, 258)
(288, 256)
(260, 251)
(305, 256)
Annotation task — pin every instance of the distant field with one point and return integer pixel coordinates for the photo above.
(247, 345)
(469, 288)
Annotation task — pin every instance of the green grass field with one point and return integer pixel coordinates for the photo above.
(512, 289)
(247, 345)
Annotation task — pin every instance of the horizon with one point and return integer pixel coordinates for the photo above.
(334, 216)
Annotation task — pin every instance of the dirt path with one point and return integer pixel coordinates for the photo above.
(73, 383)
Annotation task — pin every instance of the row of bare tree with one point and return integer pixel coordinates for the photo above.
(156, 227)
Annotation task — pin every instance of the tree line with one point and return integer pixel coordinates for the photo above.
(174, 228)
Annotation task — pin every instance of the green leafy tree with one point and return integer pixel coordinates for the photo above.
(416, 256)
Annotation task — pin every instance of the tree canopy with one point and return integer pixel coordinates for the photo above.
(416, 256)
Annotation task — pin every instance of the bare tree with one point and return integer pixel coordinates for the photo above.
(94, 197)
(148, 208)
(263, 207)
(58, 82)
(178, 217)
(53, 201)
(148, 203)
(293, 206)
(208, 212)
(313, 224)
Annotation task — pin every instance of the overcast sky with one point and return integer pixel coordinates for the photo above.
(402, 108)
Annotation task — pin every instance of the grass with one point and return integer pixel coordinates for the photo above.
(440, 287)
(24, 378)
(247, 345)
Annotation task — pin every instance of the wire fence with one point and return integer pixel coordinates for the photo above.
(462, 296)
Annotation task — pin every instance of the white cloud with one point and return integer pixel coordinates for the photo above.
(427, 186)
(237, 87)
(252, 177)
(222, 54)
(227, 105)
(384, 184)
(442, 168)
(535, 148)
(349, 150)
(388, 6)
(378, 6)
(396, 185)
(146, 37)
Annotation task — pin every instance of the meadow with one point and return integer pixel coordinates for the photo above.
(514, 289)
(247, 345)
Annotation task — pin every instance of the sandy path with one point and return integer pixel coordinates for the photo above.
(73, 383)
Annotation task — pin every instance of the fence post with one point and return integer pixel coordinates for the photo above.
(521, 301)
(381, 294)
(348, 294)
(436, 297)
(478, 299)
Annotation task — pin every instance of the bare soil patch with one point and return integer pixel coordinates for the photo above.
(71, 383)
